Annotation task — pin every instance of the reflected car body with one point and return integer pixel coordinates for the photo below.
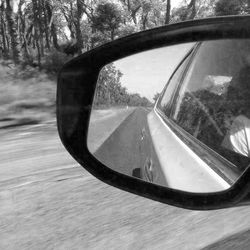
(191, 120)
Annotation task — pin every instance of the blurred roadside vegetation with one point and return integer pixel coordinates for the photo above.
(27, 95)
(38, 36)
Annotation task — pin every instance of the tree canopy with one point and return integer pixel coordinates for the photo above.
(46, 33)
(31, 29)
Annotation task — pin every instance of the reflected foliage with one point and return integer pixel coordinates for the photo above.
(110, 92)
(207, 116)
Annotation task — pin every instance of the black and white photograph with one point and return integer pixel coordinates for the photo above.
(125, 124)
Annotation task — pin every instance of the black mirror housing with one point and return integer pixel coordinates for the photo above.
(75, 92)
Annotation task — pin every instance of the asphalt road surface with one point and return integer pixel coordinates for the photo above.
(103, 123)
(49, 202)
(121, 149)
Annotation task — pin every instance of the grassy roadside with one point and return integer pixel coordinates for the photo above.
(27, 95)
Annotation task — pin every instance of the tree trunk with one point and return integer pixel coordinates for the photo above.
(168, 11)
(38, 49)
(144, 20)
(12, 31)
(23, 34)
(134, 12)
(40, 26)
(52, 26)
(46, 24)
(54, 36)
(78, 26)
(112, 32)
(7, 42)
(5, 49)
(2, 30)
(129, 7)
(36, 32)
(192, 6)
(21, 22)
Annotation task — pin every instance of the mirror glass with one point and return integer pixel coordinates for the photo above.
(177, 116)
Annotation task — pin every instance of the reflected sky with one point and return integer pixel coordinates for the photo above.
(147, 73)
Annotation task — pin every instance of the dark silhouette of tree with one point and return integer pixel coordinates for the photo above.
(12, 31)
(107, 19)
(156, 96)
(228, 7)
(168, 12)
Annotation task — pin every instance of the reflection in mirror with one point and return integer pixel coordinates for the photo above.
(177, 116)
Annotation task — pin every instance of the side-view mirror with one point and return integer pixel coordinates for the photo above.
(164, 113)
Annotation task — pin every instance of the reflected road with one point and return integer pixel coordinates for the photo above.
(121, 150)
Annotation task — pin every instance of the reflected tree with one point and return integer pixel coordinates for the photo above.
(110, 92)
